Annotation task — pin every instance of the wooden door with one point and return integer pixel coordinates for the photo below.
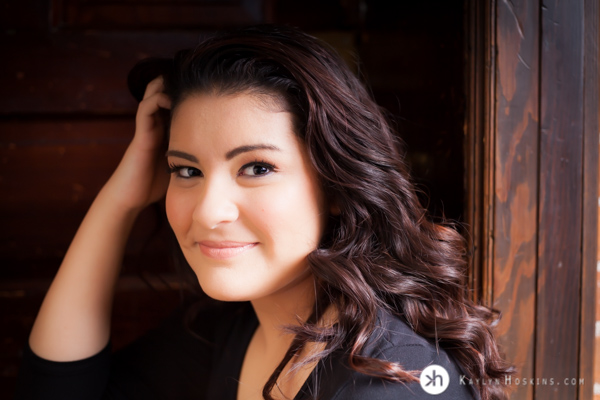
(533, 169)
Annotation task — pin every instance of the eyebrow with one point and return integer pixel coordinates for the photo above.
(181, 154)
(229, 155)
(244, 149)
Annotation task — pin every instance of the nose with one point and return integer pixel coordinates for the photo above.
(215, 204)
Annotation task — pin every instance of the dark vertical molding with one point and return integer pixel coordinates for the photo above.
(480, 97)
(489, 164)
(589, 204)
(560, 182)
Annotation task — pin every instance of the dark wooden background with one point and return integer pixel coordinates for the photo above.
(66, 118)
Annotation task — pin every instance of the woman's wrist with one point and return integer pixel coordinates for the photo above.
(112, 204)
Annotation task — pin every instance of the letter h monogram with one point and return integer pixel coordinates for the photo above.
(433, 378)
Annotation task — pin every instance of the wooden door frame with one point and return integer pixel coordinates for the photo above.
(532, 183)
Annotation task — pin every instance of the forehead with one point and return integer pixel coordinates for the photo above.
(230, 119)
(260, 97)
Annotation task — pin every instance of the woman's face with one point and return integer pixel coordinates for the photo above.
(243, 200)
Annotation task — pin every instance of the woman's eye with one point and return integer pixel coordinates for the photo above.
(256, 169)
(185, 172)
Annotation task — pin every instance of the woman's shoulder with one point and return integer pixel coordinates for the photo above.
(393, 340)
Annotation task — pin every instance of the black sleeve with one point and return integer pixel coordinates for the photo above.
(168, 362)
(44, 379)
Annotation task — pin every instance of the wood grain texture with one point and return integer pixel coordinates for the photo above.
(479, 52)
(560, 191)
(50, 171)
(488, 155)
(590, 203)
(155, 14)
(77, 72)
(515, 191)
(542, 236)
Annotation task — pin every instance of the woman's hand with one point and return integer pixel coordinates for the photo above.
(141, 177)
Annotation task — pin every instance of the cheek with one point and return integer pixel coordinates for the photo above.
(293, 214)
(179, 211)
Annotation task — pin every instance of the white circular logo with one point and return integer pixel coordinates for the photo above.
(434, 379)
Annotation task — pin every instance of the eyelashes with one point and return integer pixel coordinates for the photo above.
(256, 168)
(184, 172)
(253, 169)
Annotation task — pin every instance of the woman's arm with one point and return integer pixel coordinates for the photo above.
(74, 320)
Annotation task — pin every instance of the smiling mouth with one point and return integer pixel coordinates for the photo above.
(224, 250)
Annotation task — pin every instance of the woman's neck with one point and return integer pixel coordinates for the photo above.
(287, 307)
(271, 341)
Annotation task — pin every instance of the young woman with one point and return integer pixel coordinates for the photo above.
(291, 203)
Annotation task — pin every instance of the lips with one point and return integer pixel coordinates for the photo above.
(224, 250)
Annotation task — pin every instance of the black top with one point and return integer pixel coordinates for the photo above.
(172, 362)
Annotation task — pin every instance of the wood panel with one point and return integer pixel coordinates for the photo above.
(50, 171)
(590, 204)
(560, 214)
(515, 183)
(538, 259)
(156, 14)
(82, 72)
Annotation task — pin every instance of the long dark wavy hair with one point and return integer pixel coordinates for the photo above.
(380, 250)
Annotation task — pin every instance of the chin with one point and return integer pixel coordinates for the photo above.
(224, 295)
(225, 291)
(235, 284)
